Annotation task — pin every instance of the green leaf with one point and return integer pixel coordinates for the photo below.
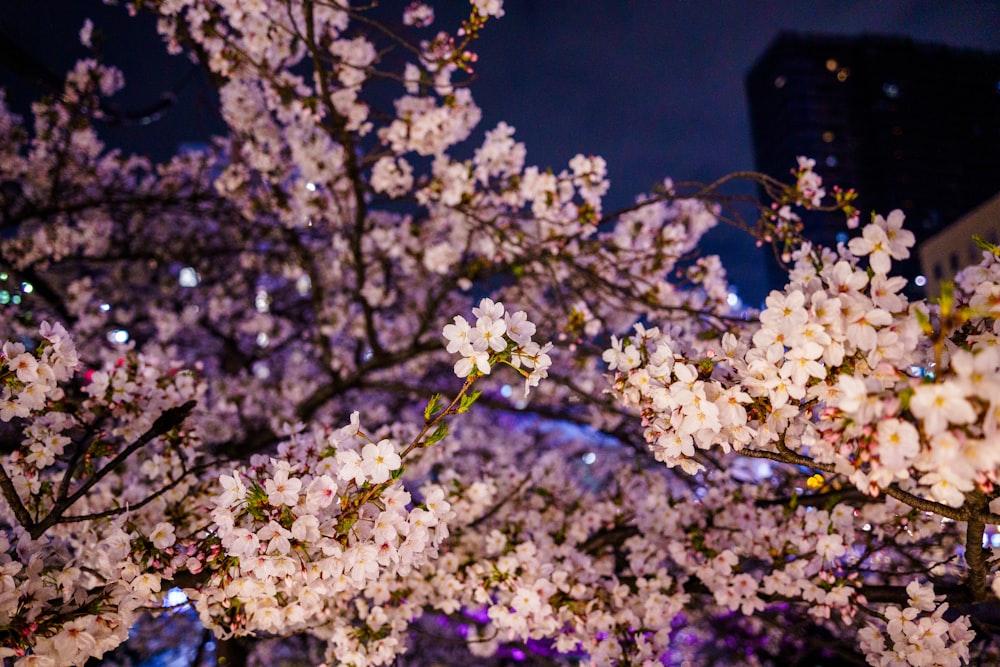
(947, 298)
(983, 244)
(345, 524)
(433, 406)
(467, 401)
(924, 321)
(437, 436)
(904, 398)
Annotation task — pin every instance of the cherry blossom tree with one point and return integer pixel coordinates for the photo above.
(361, 383)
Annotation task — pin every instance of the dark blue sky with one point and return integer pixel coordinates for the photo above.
(656, 88)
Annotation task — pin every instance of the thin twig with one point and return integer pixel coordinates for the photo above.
(170, 419)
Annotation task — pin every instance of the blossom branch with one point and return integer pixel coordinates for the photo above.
(167, 421)
(14, 500)
(975, 554)
(131, 507)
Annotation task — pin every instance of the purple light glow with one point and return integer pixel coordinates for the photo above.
(479, 615)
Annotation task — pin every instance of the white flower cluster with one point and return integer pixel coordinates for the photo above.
(29, 379)
(498, 336)
(844, 372)
(808, 183)
(682, 408)
(305, 531)
(526, 567)
(918, 634)
(980, 283)
(66, 610)
(425, 126)
(489, 7)
(883, 241)
(393, 176)
(548, 562)
(833, 331)
(943, 438)
(71, 594)
(656, 235)
(141, 386)
(418, 14)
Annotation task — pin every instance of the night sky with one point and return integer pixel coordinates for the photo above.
(656, 88)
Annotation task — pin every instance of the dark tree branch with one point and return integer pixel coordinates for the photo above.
(14, 500)
(170, 419)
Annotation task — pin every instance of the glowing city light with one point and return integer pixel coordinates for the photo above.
(188, 277)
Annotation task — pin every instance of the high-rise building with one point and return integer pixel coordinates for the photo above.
(954, 247)
(908, 125)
